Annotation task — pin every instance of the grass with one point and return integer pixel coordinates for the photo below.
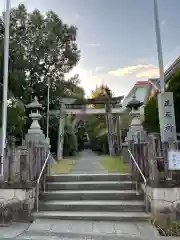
(114, 165)
(62, 166)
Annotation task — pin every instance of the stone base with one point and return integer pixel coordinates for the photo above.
(164, 200)
(16, 205)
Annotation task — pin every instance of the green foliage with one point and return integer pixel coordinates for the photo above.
(42, 48)
(174, 86)
(96, 125)
(16, 119)
(151, 121)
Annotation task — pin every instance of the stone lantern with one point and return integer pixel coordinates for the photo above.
(35, 133)
(136, 131)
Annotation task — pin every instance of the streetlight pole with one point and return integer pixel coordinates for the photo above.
(5, 81)
(47, 126)
(159, 46)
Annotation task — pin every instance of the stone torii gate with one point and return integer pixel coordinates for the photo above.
(68, 106)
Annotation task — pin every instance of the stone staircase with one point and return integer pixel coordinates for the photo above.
(94, 197)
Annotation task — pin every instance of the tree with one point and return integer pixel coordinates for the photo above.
(41, 48)
(151, 120)
(16, 119)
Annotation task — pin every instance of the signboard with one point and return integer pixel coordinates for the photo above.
(167, 117)
(136, 135)
(174, 160)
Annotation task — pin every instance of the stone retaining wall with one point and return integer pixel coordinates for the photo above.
(164, 203)
(16, 205)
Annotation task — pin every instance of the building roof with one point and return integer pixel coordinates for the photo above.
(171, 70)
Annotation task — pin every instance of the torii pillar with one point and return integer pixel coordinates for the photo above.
(60, 143)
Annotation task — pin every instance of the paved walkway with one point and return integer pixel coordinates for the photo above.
(78, 230)
(87, 162)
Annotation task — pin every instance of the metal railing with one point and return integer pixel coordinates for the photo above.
(38, 182)
(144, 179)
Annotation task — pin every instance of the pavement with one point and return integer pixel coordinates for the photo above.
(72, 230)
(88, 162)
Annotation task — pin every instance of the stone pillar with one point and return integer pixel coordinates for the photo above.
(61, 132)
(110, 129)
(118, 130)
(35, 133)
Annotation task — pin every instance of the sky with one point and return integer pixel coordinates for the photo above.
(116, 38)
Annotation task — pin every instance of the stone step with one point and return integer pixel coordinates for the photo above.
(37, 237)
(91, 195)
(92, 216)
(110, 206)
(89, 177)
(34, 237)
(91, 185)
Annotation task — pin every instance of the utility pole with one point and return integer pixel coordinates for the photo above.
(47, 124)
(5, 82)
(159, 46)
(165, 99)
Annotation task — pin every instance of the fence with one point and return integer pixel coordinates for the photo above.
(22, 164)
(152, 158)
(163, 186)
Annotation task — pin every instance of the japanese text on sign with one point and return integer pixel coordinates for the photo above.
(167, 103)
(174, 160)
(166, 116)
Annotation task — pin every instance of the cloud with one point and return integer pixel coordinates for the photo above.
(140, 70)
(154, 72)
(97, 69)
(163, 22)
(94, 44)
(90, 79)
